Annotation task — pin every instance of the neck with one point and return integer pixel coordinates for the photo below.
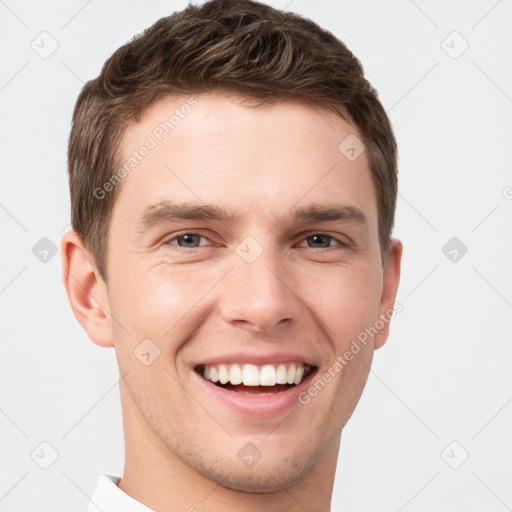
(159, 479)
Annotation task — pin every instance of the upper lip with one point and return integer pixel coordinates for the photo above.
(257, 359)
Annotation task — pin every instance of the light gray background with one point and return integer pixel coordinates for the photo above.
(444, 374)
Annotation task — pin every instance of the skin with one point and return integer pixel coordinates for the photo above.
(300, 296)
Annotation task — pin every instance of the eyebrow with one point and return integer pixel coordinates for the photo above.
(167, 211)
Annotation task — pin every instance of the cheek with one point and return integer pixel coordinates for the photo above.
(346, 301)
(158, 303)
(163, 303)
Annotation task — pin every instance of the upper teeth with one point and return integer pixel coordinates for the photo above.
(252, 375)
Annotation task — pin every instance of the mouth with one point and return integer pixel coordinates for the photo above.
(252, 379)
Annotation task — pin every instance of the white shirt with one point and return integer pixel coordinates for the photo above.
(109, 498)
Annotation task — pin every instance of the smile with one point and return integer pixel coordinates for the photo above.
(252, 379)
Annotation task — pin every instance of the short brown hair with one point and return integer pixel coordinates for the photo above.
(238, 46)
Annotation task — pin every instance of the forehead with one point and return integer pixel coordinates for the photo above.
(223, 150)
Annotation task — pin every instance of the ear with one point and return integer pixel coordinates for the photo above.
(390, 283)
(86, 289)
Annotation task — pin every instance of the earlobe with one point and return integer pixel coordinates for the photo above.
(86, 290)
(391, 279)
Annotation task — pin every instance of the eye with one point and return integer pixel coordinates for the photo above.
(188, 240)
(314, 241)
(321, 241)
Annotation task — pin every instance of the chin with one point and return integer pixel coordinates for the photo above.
(266, 476)
(259, 481)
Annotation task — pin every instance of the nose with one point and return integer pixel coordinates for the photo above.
(257, 296)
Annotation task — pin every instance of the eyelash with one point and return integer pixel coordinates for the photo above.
(340, 243)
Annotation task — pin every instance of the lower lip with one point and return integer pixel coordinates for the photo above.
(258, 405)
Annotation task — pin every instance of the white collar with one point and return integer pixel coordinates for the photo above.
(109, 498)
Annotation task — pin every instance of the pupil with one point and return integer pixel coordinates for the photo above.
(320, 240)
(189, 240)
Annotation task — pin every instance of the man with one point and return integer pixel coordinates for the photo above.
(233, 184)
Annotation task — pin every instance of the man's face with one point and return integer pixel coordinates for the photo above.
(282, 269)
